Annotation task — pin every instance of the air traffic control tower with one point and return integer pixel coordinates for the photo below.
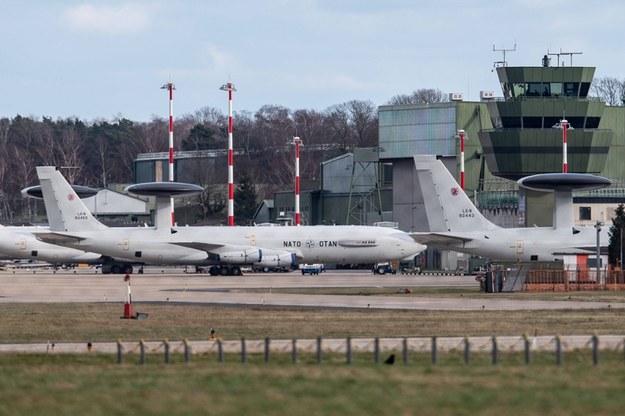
(527, 137)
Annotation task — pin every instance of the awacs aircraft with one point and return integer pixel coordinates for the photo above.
(456, 224)
(228, 248)
(21, 243)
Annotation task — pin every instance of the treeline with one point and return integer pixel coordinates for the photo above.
(101, 152)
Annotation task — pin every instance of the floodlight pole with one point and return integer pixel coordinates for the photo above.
(298, 142)
(462, 136)
(230, 88)
(171, 87)
(565, 126)
(598, 225)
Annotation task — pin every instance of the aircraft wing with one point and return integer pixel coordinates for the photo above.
(207, 247)
(56, 238)
(580, 250)
(235, 254)
(439, 239)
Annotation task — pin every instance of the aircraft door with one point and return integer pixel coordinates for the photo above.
(519, 247)
(252, 239)
(21, 243)
(125, 244)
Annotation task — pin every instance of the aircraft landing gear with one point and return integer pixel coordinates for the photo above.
(225, 270)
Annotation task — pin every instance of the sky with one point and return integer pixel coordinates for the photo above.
(107, 59)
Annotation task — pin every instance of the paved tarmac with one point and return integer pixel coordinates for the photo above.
(173, 285)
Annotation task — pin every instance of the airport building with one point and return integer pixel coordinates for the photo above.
(509, 135)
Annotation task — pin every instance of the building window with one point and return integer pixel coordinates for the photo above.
(584, 213)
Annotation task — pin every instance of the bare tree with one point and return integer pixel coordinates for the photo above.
(102, 151)
(420, 96)
(353, 124)
(153, 136)
(364, 121)
(337, 121)
(310, 127)
(5, 129)
(71, 154)
(209, 116)
(611, 90)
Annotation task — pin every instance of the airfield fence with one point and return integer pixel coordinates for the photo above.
(580, 278)
(406, 348)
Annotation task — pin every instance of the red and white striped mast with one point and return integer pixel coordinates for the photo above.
(565, 164)
(565, 126)
(461, 134)
(230, 88)
(298, 142)
(171, 87)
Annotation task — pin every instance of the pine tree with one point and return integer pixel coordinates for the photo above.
(614, 248)
(246, 200)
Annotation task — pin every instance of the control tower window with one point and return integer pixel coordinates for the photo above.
(511, 122)
(532, 122)
(570, 89)
(583, 91)
(552, 121)
(576, 122)
(556, 89)
(592, 122)
(535, 89)
(519, 89)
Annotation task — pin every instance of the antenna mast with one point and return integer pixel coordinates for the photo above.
(503, 50)
(558, 54)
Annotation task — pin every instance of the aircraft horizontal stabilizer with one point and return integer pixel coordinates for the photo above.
(437, 239)
(56, 238)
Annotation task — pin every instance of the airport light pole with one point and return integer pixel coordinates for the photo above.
(598, 225)
(462, 136)
(564, 126)
(230, 88)
(298, 142)
(171, 87)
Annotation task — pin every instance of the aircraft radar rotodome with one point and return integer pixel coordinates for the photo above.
(550, 182)
(164, 189)
(82, 191)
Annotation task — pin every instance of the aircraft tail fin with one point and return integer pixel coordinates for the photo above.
(447, 207)
(65, 210)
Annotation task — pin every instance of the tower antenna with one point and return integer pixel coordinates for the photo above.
(558, 54)
(503, 50)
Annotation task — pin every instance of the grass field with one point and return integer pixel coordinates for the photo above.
(94, 384)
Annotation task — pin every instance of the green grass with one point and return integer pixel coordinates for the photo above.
(101, 322)
(94, 384)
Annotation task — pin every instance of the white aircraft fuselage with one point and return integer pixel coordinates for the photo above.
(211, 245)
(21, 243)
(456, 224)
(73, 226)
(518, 244)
